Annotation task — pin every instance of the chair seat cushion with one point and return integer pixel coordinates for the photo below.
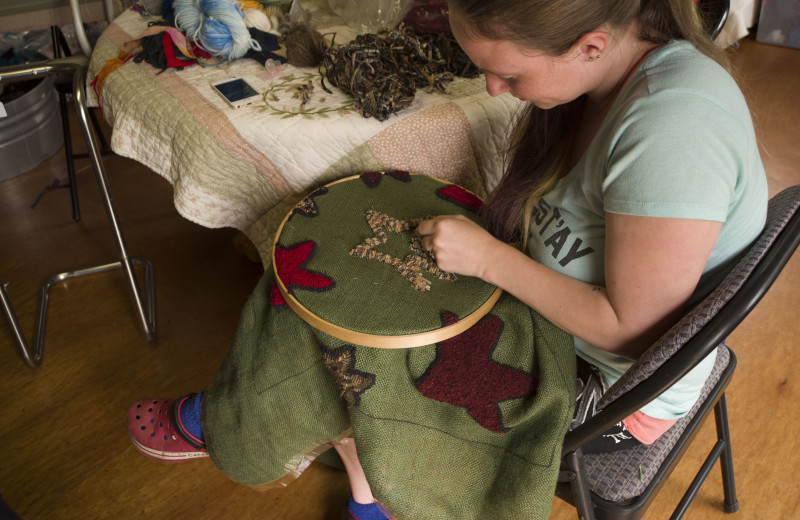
(624, 475)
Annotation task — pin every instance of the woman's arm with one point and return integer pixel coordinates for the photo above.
(652, 267)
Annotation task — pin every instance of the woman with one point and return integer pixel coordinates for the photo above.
(633, 181)
(650, 172)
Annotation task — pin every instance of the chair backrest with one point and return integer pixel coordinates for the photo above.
(714, 14)
(707, 325)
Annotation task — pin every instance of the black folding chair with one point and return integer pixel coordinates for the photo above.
(714, 14)
(622, 484)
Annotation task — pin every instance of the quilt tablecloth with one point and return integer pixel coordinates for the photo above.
(245, 168)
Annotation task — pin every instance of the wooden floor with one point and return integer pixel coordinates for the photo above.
(64, 451)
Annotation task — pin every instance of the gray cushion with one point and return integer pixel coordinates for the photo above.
(623, 475)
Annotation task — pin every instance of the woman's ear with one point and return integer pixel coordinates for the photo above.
(591, 46)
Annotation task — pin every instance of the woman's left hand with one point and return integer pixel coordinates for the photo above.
(459, 245)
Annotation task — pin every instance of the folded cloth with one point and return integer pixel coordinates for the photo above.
(268, 42)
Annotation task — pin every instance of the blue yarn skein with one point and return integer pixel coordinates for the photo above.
(217, 25)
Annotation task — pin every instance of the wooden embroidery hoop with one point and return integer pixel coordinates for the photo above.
(374, 340)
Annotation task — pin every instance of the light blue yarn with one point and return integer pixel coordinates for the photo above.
(216, 25)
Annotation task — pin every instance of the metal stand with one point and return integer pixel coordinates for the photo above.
(145, 309)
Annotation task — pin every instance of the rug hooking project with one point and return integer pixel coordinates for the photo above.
(467, 424)
(467, 427)
(348, 260)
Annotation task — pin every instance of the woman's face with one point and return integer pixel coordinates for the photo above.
(529, 75)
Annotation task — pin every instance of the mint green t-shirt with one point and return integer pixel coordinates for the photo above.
(678, 142)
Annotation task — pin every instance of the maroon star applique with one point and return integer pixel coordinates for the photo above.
(464, 374)
(400, 175)
(373, 179)
(290, 264)
(460, 197)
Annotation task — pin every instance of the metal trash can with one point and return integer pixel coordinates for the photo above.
(31, 131)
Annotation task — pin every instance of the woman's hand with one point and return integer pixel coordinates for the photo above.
(459, 245)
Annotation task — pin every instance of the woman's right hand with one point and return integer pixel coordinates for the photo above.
(459, 245)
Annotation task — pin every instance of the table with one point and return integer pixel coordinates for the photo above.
(245, 168)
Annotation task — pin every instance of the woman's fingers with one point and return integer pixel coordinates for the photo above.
(428, 227)
(427, 242)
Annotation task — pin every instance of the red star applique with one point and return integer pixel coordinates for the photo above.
(290, 264)
(464, 374)
(460, 197)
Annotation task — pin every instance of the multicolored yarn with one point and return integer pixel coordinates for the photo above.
(308, 207)
(216, 25)
(342, 364)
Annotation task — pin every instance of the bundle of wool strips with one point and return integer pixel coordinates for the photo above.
(263, 14)
(383, 71)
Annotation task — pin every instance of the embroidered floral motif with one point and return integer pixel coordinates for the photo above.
(290, 96)
(308, 207)
(464, 374)
(342, 362)
(414, 263)
(290, 264)
(460, 197)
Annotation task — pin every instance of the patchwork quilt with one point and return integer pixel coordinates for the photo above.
(245, 168)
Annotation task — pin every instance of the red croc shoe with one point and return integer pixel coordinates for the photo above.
(153, 431)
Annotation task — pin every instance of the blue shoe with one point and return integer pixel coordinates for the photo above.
(373, 511)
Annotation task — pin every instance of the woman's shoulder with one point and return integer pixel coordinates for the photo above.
(678, 82)
(679, 66)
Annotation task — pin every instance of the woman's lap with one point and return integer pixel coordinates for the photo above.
(467, 427)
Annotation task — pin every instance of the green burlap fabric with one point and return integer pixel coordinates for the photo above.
(470, 427)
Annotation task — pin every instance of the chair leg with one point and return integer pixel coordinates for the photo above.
(726, 459)
(70, 157)
(77, 68)
(60, 46)
(105, 148)
(580, 485)
(146, 317)
(721, 451)
(32, 353)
